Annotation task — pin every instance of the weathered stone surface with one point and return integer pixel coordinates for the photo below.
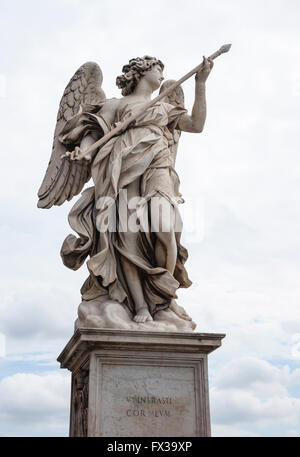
(129, 383)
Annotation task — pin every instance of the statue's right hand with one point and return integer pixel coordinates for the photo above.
(74, 155)
(202, 75)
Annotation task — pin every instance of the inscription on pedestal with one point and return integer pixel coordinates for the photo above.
(146, 400)
(150, 406)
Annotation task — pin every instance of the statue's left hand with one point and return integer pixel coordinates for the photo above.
(76, 155)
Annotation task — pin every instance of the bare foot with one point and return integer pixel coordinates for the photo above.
(142, 315)
(179, 310)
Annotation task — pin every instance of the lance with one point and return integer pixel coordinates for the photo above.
(123, 125)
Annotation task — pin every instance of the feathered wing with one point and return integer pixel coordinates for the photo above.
(175, 98)
(65, 178)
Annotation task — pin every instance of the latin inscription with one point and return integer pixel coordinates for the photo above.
(149, 406)
(146, 400)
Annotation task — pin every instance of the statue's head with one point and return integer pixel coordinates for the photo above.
(146, 67)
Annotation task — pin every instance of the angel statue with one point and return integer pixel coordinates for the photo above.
(128, 222)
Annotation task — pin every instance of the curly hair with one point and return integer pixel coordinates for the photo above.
(133, 72)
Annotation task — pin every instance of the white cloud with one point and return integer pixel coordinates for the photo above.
(253, 391)
(31, 403)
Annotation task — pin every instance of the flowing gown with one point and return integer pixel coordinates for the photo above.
(141, 152)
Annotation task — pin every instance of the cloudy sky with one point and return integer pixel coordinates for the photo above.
(240, 179)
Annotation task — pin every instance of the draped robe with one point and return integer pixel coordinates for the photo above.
(142, 152)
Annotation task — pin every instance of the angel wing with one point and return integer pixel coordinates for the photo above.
(175, 98)
(65, 178)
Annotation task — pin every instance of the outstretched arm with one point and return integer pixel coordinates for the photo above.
(194, 123)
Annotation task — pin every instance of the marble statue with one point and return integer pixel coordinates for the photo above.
(128, 222)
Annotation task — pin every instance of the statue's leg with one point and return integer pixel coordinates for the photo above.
(130, 271)
(160, 254)
(135, 287)
(165, 246)
(166, 251)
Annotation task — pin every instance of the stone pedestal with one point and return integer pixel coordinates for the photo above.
(136, 383)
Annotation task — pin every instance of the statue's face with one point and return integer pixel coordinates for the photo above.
(154, 76)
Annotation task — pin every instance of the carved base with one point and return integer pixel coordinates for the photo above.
(138, 383)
